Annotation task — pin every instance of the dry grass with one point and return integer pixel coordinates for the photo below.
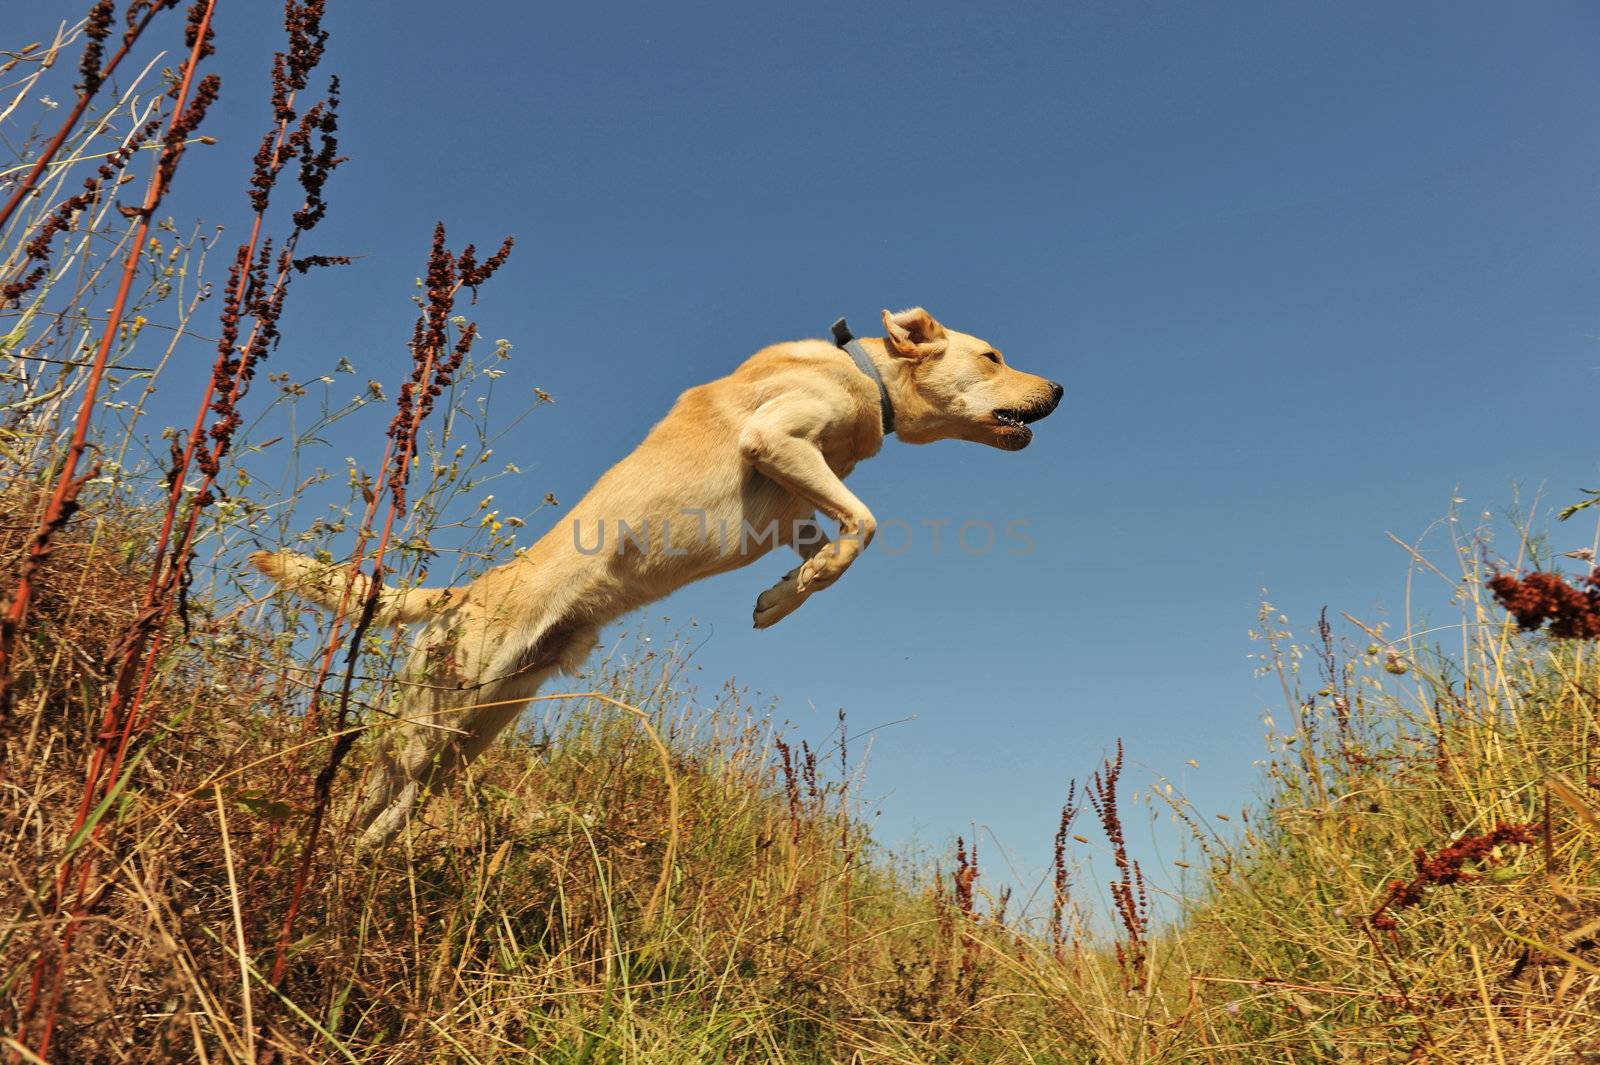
(645, 873)
(514, 922)
(516, 916)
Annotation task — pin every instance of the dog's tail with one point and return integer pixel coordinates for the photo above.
(326, 586)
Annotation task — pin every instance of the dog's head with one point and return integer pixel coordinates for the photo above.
(958, 387)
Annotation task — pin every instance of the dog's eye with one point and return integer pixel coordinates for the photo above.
(992, 356)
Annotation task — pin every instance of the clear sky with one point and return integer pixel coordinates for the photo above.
(1305, 270)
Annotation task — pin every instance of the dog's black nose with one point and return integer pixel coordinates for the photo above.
(1056, 392)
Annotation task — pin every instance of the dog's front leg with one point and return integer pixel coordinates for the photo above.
(772, 443)
(809, 539)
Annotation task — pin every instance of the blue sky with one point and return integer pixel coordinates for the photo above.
(1304, 270)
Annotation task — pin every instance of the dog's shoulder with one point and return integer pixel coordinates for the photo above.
(797, 364)
(791, 368)
(817, 377)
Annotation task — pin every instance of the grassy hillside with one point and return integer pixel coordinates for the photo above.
(1416, 882)
(645, 873)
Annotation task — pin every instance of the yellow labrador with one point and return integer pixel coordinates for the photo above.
(736, 468)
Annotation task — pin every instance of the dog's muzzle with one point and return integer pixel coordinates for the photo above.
(1014, 433)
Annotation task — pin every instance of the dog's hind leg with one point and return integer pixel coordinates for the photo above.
(436, 691)
(406, 748)
(562, 649)
(432, 757)
(424, 759)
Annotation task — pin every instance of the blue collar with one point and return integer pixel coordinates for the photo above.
(842, 337)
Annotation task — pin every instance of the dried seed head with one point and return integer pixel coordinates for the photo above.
(97, 28)
(192, 30)
(1573, 613)
(205, 94)
(316, 165)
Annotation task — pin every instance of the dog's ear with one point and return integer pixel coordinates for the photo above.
(914, 334)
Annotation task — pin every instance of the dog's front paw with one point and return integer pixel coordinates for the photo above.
(779, 601)
(824, 568)
(765, 619)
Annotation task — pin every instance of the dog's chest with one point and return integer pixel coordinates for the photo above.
(850, 444)
(840, 464)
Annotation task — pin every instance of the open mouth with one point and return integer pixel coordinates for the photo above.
(1012, 430)
(1019, 418)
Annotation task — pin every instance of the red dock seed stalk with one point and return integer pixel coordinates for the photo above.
(232, 364)
(115, 162)
(97, 29)
(1573, 612)
(965, 897)
(205, 94)
(227, 343)
(1062, 882)
(844, 751)
(1445, 868)
(791, 789)
(307, 39)
(249, 293)
(966, 876)
(197, 25)
(316, 163)
(428, 338)
(808, 769)
(267, 163)
(1128, 892)
(291, 69)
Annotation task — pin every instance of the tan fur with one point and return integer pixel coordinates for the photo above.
(333, 587)
(766, 446)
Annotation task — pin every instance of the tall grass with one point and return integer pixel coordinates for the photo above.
(645, 872)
